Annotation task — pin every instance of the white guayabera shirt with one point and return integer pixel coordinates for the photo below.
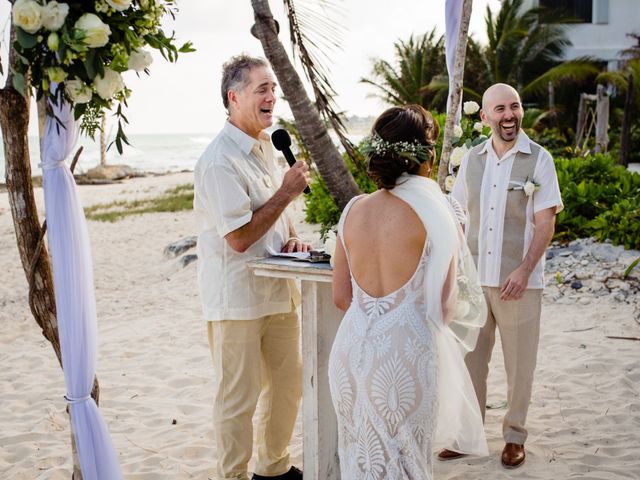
(493, 198)
(235, 176)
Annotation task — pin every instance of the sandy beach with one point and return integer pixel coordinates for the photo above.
(155, 370)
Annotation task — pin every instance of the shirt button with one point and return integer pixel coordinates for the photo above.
(489, 253)
(491, 208)
(494, 186)
(490, 229)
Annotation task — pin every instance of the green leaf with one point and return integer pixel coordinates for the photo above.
(89, 64)
(187, 47)
(19, 84)
(630, 268)
(26, 40)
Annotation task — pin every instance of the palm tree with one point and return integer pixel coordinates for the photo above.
(419, 61)
(313, 130)
(525, 49)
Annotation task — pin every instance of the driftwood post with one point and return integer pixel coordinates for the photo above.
(602, 120)
(14, 122)
(626, 123)
(582, 119)
(456, 94)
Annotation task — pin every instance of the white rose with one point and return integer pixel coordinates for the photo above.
(478, 127)
(109, 84)
(448, 182)
(457, 131)
(119, 5)
(470, 107)
(457, 154)
(77, 91)
(96, 32)
(27, 15)
(139, 60)
(529, 188)
(54, 15)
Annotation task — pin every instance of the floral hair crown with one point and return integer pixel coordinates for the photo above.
(414, 151)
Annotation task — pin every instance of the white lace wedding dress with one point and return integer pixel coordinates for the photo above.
(383, 377)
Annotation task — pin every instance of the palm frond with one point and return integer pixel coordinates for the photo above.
(573, 71)
(617, 78)
(314, 33)
(533, 117)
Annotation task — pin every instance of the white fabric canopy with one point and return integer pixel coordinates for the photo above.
(75, 300)
(452, 18)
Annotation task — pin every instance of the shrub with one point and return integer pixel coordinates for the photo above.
(320, 206)
(601, 200)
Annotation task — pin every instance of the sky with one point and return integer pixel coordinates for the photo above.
(185, 97)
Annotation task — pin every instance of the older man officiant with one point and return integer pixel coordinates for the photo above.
(254, 331)
(509, 189)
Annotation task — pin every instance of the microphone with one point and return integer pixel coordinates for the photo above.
(282, 141)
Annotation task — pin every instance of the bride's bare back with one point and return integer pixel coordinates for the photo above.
(385, 239)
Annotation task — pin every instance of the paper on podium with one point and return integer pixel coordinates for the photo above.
(300, 255)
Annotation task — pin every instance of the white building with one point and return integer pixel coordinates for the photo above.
(603, 28)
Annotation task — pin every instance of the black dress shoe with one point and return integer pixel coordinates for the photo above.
(293, 474)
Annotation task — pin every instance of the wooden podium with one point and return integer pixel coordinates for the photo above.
(320, 321)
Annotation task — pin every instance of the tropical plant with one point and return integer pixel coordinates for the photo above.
(418, 61)
(320, 206)
(525, 49)
(601, 200)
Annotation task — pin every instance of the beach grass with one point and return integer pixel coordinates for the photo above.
(175, 199)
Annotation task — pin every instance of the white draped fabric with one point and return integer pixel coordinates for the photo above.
(462, 315)
(452, 18)
(75, 300)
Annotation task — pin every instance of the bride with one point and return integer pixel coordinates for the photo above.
(413, 304)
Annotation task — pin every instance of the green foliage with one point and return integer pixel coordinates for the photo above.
(417, 62)
(177, 199)
(557, 142)
(601, 200)
(320, 206)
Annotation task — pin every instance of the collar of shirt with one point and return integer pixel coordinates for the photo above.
(244, 141)
(523, 144)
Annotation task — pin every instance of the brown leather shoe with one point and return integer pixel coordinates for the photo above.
(513, 455)
(445, 455)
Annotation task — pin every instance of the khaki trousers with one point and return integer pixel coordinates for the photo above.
(519, 325)
(255, 359)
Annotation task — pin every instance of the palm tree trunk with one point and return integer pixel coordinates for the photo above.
(330, 164)
(456, 94)
(14, 123)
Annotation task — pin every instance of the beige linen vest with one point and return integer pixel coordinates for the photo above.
(515, 219)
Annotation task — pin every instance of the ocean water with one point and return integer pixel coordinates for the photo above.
(159, 153)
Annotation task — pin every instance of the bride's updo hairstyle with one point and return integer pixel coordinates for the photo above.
(402, 139)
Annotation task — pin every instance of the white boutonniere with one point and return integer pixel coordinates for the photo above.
(528, 186)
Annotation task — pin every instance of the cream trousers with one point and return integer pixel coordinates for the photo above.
(519, 325)
(255, 359)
